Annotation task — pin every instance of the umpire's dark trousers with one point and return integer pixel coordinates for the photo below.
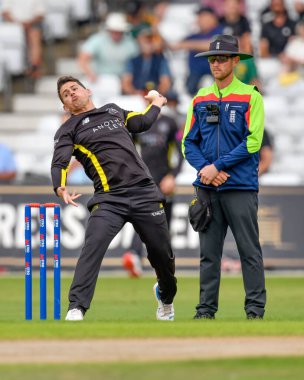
(142, 207)
(238, 210)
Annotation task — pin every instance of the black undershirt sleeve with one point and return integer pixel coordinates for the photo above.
(137, 122)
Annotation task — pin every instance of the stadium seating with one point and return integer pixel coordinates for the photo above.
(29, 129)
(13, 45)
(5, 83)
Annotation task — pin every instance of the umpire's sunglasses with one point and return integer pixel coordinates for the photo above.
(219, 58)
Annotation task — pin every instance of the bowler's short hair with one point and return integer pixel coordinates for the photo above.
(64, 79)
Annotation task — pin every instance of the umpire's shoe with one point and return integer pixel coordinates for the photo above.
(203, 315)
(254, 316)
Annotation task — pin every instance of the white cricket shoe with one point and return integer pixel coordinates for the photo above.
(74, 315)
(164, 312)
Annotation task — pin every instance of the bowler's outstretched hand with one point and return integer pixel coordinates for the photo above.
(68, 198)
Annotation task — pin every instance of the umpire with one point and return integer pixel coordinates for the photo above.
(222, 139)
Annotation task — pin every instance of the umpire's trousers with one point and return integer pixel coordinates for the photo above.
(238, 210)
(139, 206)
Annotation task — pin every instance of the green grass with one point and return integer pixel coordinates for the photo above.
(224, 369)
(124, 307)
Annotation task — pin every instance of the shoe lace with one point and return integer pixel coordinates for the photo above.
(75, 311)
(167, 309)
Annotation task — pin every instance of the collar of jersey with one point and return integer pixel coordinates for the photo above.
(231, 88)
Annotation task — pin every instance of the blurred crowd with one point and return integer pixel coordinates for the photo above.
(127, 45)
(134, 43)
(127, 40)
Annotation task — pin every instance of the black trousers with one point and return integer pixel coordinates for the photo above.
(238, 210)
(141, 207)
(137, 245)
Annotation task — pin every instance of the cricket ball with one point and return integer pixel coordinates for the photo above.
(153, 94)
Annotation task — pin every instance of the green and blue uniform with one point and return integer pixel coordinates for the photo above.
(232, 144)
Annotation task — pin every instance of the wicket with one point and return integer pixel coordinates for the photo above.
(43, 260)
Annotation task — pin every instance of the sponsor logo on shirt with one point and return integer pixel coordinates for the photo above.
(109, 124)
(112, 111)
(156, 213)
(85, 121)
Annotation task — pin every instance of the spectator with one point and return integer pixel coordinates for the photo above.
(157, 147)
(107, 51)
(29, 14)
(299, 8)
(218, 6)
(246, 72)
(276, 31)
(209, 26)
(148, 70)
(8, 169)
(293, 55)
(140, 16)
(137, 16)
(236, 24)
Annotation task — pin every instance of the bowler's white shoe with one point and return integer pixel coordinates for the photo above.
(164, 312)
(74, 315)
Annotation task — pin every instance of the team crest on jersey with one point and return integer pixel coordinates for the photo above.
(112, 111)
(85, 121)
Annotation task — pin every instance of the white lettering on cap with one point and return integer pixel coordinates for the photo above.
(217, 46)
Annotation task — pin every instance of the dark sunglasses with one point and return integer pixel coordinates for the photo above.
(219, 58)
